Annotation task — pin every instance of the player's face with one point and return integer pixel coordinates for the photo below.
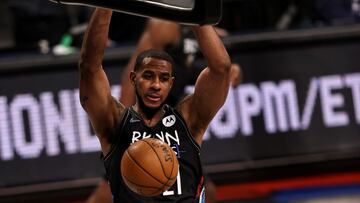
(153, 82)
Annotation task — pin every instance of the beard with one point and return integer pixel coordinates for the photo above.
(148, 111)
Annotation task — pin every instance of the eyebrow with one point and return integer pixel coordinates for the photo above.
(162, 73)
(166, 73)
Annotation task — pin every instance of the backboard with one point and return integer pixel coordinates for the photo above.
(189, 12)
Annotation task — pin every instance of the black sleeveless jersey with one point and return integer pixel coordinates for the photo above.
(172, 130)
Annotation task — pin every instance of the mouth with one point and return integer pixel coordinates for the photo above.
(153, 97)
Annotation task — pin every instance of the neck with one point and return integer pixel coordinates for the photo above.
(150, 116)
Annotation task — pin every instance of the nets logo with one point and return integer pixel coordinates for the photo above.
(169, 121)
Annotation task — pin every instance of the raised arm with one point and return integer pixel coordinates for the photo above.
(95, 93)
(157, 35)
(212, 85)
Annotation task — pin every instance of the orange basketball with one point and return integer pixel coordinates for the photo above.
(149, 167)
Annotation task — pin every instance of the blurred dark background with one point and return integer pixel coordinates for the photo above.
(24, 24)
(311, 44)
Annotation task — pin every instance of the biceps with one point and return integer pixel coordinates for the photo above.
(95, 96)
(211, 90)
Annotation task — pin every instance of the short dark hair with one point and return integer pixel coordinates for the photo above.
(152, 53)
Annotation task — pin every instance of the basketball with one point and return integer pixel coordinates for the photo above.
(149, 167)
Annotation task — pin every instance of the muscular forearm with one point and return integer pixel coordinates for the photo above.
(95, 40)
(212, 48)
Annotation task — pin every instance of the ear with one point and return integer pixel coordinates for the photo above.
(133, 78)
(172, 81)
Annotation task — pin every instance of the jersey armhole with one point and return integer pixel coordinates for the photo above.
(115, 141)
(189, 135)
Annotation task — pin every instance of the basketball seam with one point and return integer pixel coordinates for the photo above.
(162, 167)
(146, 186)
(173, 166)
(165, 185)
(143, 168)
(170, 179)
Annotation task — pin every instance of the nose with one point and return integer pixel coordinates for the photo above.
(156, 83)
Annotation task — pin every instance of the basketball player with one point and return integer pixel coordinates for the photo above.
(178, 41)
(182, 127)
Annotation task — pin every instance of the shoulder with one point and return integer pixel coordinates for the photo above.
(187, 110)
(119, 106)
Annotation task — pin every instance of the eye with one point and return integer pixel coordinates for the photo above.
(164, 78)
(147, 76)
